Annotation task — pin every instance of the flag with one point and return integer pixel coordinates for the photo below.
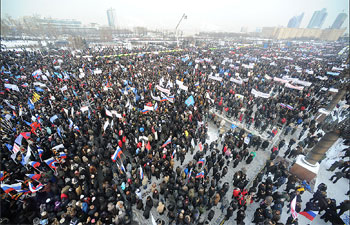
(35, 189)
(116, 154)
(70, 123)
(26, 135)
(201, 161)
(76, 128)
(53, 118)
(59, 132)
(51, 163)
(35, 97)
(173, 154)
(156, 106)
(292, 207)
(11, 187)
(108, 113)
(19, 140)
(200, 146)
(9, 147)
(34, 164)
(200, 175)
(189, 174)
(40, 152)
(62, 155)
(75, 93)
(30, 104)
(106, 125)
(167, 142)
(39, 89)
(141, 173)
(26, 158)
(15, 149)
(148, 146)
(144, 111)
(64, 88)
(309, 214)
(34, 176)
(2, 175)
(290, 107)
(25, 85)
(189, 101)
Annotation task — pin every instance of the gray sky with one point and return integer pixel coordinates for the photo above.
(203, 15)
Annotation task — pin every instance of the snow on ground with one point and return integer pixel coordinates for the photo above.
(335, 191)
(18, 43)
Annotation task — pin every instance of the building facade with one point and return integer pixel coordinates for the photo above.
(111, 17)
(318, 19)
(295, 21)
(338, 22)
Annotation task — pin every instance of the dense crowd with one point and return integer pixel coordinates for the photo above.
(90, 136)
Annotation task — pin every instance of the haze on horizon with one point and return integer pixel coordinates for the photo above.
(223, 15)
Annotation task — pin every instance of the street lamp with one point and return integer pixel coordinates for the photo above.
(184, 16)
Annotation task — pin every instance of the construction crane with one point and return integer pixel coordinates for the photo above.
(184, 16)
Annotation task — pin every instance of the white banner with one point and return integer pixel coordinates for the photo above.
(167, 91)
(300, 88)
(280, 80)
(236, 81)
(260, 94)
(301, 82)
(215, 78)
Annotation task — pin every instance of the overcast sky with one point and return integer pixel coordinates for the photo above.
(203, 15)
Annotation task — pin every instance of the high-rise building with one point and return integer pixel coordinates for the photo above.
(318, 19)
(295, 21)
(338, 22)
(111, 17)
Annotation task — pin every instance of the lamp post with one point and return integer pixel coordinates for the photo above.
(184, 16)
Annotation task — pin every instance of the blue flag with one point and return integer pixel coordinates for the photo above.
(59, 132)
(30, 104)
(233, 126)
(9, 147)
(189, 101)
(39, 89)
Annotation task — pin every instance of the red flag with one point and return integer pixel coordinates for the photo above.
(200, 147)
(26, 135)
(148, 146)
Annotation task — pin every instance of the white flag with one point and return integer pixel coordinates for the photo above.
(106, 125)
(29, 152)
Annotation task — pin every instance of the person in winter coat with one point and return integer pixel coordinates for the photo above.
(251, 157)
(240, 217)
(160, 208)
(229, 213)
(344, 206)
(211, 215)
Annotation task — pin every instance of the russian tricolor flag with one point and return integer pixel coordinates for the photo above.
(35, 189)
(290, 107)
(34, 164)
(201, 161)
(141, 173)
(116, 154)
(144, 111)
(166, 143)
(26, 135)
(40, 151)
(34, 176)
(62, 155)
(309, 214)
(2, 175)
(51, 163)
(11, 187)
(200, 175)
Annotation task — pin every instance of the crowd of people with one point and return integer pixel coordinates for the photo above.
(91, 136)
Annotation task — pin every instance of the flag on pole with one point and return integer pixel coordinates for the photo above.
(16, 149)
(34, 164)
(53, 118)
(167, 142)
(51, 163)
(35, 189)
(200, 175)
(148, 146)
(19, 140)
(34, 176)
(26, 135)
(200, 146)
(292, 207)
(189, 101)
(116, 154)
(62, 155)
(173, 154)
(26, 158)
(141, 173)
(59, 132)
(201, 161)
(309, 214)
(11, 187)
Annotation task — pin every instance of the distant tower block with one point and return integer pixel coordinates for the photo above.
(111, 17)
